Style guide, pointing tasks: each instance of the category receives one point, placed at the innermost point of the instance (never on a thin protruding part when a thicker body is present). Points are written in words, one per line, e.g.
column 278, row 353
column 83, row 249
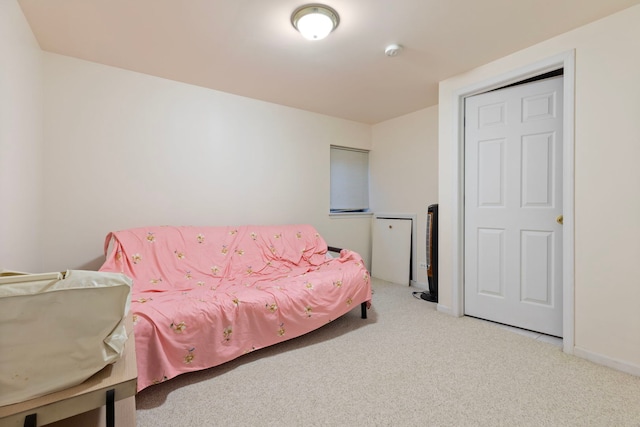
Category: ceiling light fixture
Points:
column 315, row 21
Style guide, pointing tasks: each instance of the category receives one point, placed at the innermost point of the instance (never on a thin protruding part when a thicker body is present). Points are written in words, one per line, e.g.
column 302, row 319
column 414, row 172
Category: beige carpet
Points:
column 407, row 365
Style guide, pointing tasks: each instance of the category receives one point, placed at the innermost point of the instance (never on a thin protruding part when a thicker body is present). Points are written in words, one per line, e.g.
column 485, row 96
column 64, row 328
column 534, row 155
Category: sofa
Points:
column 203, row 296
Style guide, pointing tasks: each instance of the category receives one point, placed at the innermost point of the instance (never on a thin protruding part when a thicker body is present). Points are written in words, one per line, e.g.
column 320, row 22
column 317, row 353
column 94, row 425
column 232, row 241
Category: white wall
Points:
column 404, row 171
column 125, row 149
column 20, row 141
column 607, row 178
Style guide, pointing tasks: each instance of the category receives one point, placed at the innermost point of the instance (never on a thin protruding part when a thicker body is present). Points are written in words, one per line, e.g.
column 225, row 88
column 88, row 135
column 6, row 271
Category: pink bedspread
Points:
column 205, row 295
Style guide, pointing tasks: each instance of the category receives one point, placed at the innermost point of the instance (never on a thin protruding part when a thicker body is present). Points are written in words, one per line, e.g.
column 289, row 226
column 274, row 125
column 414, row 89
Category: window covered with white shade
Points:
column 349, row 179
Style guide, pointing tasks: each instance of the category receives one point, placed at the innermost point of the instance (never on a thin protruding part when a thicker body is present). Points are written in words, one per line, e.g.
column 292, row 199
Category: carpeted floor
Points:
column 406, row 365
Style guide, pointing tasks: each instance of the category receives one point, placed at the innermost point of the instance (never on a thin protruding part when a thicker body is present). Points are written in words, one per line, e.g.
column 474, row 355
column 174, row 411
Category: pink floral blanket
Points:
column 205, row 295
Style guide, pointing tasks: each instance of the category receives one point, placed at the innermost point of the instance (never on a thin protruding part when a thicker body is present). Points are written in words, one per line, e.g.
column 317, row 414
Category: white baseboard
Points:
column 444, row 309
column 610, row 362
column 419, row 285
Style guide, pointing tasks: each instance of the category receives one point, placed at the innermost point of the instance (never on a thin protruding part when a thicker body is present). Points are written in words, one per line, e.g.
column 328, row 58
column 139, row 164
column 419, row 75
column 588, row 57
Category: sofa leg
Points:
column 363, row 308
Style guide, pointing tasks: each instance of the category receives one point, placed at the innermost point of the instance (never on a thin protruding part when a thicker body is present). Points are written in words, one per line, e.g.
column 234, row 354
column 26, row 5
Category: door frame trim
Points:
column 565, row 60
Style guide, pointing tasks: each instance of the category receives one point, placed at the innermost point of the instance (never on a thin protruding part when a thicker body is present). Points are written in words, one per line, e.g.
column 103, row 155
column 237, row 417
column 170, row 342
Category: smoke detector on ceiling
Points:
column 392, row 50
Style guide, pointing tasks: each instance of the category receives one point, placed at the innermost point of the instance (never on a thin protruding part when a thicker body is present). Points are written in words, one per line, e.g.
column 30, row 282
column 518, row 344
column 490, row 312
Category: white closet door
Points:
column 513, row 206
column 391, row 252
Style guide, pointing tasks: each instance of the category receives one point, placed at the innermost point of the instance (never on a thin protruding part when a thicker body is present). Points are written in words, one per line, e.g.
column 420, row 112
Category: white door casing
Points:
column 565, row 60
column 513, row 197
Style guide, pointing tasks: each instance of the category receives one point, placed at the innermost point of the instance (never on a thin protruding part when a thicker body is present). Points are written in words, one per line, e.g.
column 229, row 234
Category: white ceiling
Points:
column 249, row 47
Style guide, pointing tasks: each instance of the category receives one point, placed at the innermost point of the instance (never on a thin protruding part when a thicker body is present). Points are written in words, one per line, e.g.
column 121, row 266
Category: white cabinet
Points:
column 391, row 249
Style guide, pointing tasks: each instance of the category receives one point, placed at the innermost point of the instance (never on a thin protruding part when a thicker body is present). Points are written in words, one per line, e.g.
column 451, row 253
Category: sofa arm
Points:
column 365, row 304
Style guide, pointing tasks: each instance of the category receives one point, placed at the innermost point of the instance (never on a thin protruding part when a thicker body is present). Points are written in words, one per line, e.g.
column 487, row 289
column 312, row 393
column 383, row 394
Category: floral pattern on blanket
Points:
column 205, row 295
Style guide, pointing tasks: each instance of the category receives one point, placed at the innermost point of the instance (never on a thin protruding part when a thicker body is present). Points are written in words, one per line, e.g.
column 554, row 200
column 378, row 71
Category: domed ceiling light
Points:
column 315, row 21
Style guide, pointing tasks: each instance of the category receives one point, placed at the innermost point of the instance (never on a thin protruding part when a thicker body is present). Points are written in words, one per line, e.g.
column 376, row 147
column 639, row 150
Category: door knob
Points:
column 560, row 219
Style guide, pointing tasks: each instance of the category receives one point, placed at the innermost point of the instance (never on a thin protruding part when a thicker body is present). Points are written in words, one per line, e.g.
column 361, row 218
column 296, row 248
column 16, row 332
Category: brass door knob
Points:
column 560, row 219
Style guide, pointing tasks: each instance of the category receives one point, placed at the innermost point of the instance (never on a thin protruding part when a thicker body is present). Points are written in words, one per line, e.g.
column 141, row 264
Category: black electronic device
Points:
column 432, row 254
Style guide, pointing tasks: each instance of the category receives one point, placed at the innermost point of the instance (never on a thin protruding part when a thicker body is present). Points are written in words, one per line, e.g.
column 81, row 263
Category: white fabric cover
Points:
column 56, row 331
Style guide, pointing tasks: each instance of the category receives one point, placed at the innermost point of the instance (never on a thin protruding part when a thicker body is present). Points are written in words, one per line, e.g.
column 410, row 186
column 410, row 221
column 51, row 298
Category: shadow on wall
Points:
column 93, row 265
